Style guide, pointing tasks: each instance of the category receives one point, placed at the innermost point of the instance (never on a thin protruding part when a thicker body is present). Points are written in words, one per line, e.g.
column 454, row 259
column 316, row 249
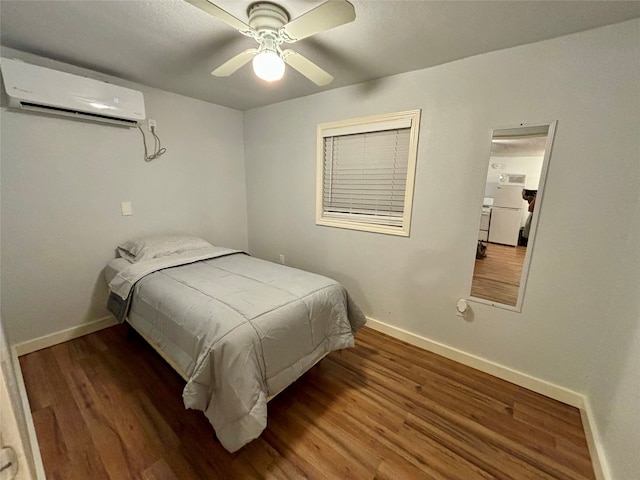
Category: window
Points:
column 365, row 172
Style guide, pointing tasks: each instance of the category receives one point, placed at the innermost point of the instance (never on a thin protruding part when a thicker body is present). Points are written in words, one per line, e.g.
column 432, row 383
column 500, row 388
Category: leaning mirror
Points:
column 518, row 163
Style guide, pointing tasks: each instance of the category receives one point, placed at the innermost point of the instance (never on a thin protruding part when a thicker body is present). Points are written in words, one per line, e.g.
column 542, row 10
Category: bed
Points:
column 237, row 328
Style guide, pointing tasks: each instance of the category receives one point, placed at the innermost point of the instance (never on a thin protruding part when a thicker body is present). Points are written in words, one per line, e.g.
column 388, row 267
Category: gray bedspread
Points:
column 242, row 329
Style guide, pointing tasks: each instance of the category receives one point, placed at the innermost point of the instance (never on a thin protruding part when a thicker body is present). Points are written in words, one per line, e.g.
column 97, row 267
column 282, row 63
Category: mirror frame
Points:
column 534, row 219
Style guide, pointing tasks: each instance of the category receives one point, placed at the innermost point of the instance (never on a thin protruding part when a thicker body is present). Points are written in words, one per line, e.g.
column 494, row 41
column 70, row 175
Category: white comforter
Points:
column 242, row 329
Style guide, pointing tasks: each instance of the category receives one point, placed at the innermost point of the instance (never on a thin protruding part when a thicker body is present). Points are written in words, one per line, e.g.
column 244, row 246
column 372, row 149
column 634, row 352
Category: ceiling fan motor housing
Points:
column 267, row 16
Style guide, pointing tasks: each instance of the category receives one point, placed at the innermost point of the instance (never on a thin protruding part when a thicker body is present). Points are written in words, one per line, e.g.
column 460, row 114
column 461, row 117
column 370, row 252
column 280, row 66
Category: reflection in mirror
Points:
column 512, row 201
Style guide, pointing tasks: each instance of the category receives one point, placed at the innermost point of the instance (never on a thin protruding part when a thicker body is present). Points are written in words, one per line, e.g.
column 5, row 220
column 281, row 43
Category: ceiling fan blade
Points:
column 306, row 67
column 328, row 15
column 221, row 14
column 234, row 64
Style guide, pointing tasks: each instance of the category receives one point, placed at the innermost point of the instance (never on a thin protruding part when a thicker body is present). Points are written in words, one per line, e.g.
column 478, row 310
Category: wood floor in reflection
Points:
column 497, row 276
column 106, row 406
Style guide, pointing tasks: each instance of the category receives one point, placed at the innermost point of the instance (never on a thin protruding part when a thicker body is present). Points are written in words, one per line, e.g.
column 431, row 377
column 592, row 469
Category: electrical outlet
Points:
column 151, row 124
column 281, row 258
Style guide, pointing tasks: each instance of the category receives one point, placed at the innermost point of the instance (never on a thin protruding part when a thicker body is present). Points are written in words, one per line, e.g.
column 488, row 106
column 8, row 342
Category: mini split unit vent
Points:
column 39, row 89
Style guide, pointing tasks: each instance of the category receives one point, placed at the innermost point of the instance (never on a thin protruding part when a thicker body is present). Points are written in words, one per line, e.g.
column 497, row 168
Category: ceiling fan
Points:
column 269, row 25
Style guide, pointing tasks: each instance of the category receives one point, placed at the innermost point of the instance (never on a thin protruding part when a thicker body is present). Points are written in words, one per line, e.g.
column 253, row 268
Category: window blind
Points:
column 365, row 176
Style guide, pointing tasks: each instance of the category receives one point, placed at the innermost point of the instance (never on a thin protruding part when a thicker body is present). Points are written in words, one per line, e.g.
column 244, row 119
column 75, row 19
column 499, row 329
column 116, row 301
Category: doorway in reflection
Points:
column 512, row 198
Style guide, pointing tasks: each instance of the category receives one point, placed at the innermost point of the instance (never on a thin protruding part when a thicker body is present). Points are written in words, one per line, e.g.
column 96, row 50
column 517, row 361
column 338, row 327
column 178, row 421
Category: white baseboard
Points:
column 542, row 387
column 65, row 335
column 598, row 458
column 32, row 450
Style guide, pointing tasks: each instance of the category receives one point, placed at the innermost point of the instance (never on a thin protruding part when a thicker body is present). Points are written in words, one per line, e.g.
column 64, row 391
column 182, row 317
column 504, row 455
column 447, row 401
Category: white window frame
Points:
column 389, row 121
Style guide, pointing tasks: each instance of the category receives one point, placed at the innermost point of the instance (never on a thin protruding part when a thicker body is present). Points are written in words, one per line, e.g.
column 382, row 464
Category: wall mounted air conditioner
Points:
column 39, row 89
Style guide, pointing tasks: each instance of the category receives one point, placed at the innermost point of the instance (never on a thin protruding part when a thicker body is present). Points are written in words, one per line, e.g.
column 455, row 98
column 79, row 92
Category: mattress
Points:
column 240, row 328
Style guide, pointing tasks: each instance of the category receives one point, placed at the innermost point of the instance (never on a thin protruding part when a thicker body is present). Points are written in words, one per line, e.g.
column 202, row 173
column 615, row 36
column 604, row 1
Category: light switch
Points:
column 126, row 208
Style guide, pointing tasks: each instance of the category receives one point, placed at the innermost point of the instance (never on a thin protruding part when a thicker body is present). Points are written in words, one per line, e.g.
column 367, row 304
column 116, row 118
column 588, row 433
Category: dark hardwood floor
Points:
column 497, row 276
column 106, row 406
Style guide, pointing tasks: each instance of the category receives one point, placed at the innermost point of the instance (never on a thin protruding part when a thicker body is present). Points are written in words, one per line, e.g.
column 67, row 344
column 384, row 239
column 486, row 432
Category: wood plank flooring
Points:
column 497, row 276
column 106, row 406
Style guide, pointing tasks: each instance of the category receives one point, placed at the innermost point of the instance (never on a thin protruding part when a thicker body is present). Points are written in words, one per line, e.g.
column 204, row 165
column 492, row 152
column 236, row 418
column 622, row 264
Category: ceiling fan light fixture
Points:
column 268, row 66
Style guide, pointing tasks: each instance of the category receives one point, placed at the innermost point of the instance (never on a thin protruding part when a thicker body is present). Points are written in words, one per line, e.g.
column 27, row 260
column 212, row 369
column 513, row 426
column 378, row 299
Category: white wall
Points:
column 614, row 383
column 62, row 184
column 589, row 83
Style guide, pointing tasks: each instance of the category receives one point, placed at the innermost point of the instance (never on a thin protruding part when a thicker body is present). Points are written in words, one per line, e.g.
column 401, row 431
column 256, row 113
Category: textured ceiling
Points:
column 174, row 46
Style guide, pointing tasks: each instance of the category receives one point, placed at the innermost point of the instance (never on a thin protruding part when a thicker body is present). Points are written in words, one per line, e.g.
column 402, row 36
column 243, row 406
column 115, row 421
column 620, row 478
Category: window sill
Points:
column 364, row 227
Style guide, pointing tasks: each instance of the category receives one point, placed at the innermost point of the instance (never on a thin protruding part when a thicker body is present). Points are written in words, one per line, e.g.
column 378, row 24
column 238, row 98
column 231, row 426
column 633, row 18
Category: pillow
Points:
column 156, row 246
